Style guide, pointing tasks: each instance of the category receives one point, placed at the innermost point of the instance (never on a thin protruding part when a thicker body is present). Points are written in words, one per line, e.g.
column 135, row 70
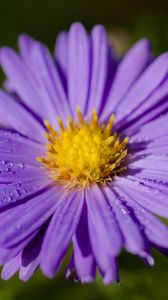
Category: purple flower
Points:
column 97, row 175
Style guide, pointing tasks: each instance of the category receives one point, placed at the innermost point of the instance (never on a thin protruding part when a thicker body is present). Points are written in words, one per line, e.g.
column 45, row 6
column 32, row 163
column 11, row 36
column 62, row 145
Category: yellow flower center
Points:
column 84, row 152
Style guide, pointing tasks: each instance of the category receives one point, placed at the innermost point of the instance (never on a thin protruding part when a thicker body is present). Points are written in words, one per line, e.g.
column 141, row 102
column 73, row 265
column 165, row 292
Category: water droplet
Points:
column 10, row 164
column 18, row 226
column 123, row 211
column 2, row 163
column 16, row 134
column 20, row 165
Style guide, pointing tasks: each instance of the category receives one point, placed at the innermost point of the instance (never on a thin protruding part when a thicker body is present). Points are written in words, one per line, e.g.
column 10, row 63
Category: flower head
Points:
column 83, row 155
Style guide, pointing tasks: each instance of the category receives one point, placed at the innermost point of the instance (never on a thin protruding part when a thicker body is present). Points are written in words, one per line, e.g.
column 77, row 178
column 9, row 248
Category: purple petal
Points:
column 36, row 211
column 83, row 257
column 151, row 166
column 18, row 158
column 7, row 253
column 61, row 52
column 60, row 232
column 51, row 90
column 145, row 85
column 71, row 267
column 78, row 66
column 151, row 199
column 149, row 182
column 103, row 220
column 150, row 175
column 149, row 261
column 154, row 229
column 151, row 162
column 133, row 237
column 25, row 273
column 16, row 263
column 14, row 145
column 22, row 80
column 151, row 108
column 151, row 131
column 127, row 73
column 11, row 267
column 15, row 168
column 21, row 190
column 25, row 43
column 105, row 236
column 106, row 262
column 99, row 67
column 33, row 248
column 12, row 114
column 112, row 274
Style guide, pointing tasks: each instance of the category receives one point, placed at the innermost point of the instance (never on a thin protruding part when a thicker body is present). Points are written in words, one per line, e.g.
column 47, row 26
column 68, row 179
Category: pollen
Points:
column 84, row 152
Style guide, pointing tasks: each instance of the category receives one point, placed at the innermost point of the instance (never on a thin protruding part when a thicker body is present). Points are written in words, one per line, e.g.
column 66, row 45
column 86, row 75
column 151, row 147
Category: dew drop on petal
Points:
column 20, row 165
column 10, row 164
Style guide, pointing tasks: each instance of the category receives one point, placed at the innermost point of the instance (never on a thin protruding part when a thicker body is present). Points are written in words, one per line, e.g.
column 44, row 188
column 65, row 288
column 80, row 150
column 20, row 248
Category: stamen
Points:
column 94, row 117
column 43, row 160
column 50, row 128
column 71, row 123
column 79, row 115
column 109, row 126
column 110, row 140
column 49, row 138
column 83, row 153
column 60, row 124
column 50, row 148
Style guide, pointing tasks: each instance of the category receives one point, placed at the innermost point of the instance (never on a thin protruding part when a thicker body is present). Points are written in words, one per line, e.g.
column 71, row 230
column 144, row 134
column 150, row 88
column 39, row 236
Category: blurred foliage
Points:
column 126, row 22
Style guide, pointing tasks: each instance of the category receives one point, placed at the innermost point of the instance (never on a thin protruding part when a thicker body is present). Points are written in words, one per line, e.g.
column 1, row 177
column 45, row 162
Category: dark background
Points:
column 44, row 19
column 126, row 22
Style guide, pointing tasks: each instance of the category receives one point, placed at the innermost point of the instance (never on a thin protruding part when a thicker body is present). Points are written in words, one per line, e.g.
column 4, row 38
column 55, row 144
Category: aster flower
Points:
column 83, row 155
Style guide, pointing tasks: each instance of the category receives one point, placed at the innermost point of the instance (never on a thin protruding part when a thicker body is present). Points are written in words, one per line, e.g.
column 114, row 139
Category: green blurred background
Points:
column 126, row 21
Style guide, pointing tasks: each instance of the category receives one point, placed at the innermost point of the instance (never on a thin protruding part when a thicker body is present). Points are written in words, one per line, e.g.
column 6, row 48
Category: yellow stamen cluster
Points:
column 84, row 152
